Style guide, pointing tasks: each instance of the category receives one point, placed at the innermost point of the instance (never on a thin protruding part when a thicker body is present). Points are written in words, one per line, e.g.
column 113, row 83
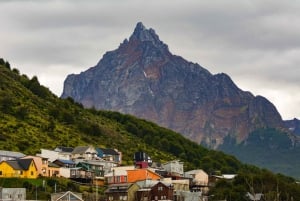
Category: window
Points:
column 31, row 173
column 110, row 197
column 125, row 178
column 20, row 196
column 160, row 188
column 118, row 179
column 21, row 172
column 0, row 172
column 156, row 197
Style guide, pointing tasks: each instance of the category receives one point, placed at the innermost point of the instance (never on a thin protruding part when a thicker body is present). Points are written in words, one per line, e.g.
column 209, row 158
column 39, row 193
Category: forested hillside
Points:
column 31, row 117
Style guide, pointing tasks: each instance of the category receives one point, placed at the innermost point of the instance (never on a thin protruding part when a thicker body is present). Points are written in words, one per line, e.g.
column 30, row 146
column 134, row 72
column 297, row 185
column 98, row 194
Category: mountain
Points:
column 31, row 118
column 141, row 77
column 293, row 125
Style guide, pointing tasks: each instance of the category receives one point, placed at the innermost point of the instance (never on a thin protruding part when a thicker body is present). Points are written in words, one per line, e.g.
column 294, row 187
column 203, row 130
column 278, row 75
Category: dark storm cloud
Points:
column 256, row 42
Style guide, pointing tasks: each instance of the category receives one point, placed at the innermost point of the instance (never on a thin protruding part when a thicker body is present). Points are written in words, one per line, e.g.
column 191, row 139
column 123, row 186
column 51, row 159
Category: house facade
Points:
column 15, row 194
column 198, row 180
column 84, row 152
column 122, row 192
column 41, row 164
column 21, row 168
column 109, row 155
column 154, row 190
column 53, row 155
column 174, row 168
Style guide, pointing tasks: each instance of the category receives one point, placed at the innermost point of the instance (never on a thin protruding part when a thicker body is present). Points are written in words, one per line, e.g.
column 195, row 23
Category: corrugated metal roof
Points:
column 11, row 154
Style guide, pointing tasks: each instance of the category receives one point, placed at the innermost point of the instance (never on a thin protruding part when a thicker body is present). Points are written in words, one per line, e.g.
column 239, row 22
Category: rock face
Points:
column 293, row 126
column 141, row 77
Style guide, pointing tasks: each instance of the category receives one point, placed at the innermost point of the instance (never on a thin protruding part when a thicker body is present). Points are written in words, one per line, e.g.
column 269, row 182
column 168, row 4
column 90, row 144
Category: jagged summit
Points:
column 143, row 34
column 141, row 77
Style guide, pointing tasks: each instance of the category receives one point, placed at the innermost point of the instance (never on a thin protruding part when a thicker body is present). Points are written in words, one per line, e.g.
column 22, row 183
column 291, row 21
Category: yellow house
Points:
column 21, row 168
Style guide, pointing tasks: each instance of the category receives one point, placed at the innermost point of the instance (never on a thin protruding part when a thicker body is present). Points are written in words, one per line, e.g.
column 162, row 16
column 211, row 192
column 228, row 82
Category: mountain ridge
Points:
column 141, row 77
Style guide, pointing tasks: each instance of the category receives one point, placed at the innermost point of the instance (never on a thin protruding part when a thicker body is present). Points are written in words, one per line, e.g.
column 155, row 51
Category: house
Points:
column 109, row 155
column 10, row 155
column 12, row 194
column 107, row 165
column 116, row 177
column 141, row 174
column 92, row 166
column 41, row 164
column 174, row 168
column 118, row 192
column 21, row 168
column 84, row 152
column 53, row 170
column 66, row 167
column 57, row 153
column 66, row 196
column 198, row 180
column 154, row 190
column 65, row 163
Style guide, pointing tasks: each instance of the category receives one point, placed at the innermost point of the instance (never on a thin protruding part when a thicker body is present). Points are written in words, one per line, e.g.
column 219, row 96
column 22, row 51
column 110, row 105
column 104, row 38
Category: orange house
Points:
column 141, row 174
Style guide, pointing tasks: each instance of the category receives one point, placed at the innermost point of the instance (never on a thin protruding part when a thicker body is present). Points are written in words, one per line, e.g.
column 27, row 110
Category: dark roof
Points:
column 20, row 164
column 80, row 149
column 108, row 151
column 50, row 164
column 14, row 164
column 64, row 149
column 65, row 161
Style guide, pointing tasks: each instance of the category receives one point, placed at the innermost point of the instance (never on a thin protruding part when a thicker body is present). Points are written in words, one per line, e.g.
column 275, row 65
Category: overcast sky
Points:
column 255, row 42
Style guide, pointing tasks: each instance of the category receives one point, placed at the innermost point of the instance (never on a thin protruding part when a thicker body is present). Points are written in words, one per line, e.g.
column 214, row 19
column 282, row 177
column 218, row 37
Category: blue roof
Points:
column 66, row 161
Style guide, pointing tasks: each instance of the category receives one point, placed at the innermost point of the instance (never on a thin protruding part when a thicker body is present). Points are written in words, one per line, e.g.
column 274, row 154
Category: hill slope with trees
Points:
column 31, row 118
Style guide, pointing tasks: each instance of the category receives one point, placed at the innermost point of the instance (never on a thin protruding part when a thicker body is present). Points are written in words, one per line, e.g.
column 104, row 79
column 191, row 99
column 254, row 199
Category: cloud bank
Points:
column 255, row 42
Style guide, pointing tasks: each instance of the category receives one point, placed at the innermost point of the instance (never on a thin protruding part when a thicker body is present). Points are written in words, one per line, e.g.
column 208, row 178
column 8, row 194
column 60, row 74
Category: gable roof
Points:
column 20, row 164
column 66, row 196
column 151, row 183
column 107, row 151
column 80, row 149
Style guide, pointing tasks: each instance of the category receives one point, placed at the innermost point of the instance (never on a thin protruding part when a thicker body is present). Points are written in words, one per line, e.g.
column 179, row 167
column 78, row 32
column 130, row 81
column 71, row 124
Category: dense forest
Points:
column 32, row 117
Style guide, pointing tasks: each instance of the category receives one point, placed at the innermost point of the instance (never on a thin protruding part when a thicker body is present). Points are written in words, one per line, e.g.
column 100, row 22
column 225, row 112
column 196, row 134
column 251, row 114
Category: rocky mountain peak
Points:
column 141, row 33
column 144, row 79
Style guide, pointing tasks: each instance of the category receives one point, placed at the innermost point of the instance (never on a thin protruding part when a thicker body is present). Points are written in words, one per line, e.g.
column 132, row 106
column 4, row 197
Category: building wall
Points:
column 32, row 172
column 53, row 172
column 13, row 194
column 65, row 172
column 174, row 167
column 50, row 154
column 7, row 171
column 41, row 164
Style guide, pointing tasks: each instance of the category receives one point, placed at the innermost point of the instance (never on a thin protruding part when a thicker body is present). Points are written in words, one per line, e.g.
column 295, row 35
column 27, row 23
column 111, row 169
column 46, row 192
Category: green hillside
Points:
column 31, row 118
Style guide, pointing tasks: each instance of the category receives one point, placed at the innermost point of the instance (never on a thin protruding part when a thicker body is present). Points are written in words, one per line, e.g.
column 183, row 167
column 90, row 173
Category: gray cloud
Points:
column 256, row 42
